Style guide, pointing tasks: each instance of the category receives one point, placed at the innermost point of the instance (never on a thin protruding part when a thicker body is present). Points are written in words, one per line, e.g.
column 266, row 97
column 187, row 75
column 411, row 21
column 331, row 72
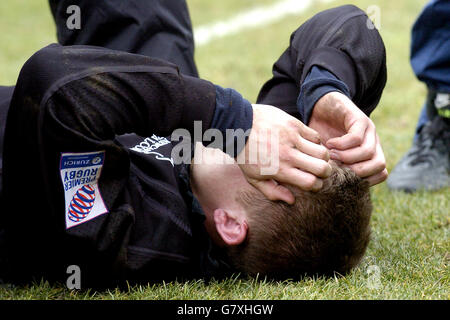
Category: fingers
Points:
column 274, row 191
column 372, row 169
column 353, row 138
column 368, row 168
column 301, row 179
column 308, row 133
column 378, row 178
column 314, row 150
column 305, row 162
column 365, row 151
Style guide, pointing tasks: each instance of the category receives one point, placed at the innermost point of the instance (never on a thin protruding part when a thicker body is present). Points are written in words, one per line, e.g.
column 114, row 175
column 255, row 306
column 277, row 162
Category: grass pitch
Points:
column 408, row 256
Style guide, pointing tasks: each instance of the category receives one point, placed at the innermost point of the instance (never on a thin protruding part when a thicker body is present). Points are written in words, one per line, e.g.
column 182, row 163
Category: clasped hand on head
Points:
column 347, row 134
column 300, row 159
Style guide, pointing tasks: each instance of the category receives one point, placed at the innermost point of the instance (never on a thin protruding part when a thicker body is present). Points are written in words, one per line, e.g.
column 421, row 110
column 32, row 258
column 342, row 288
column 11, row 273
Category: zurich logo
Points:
column 82, row 203
column 96, row 160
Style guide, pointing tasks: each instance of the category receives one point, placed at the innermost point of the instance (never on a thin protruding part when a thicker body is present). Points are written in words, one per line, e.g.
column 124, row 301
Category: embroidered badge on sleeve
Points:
column 80, row 173
column 149, row 145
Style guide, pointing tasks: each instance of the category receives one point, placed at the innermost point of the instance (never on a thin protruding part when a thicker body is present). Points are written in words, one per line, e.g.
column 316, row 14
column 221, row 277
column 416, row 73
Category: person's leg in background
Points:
column 155, row 28
column 427, row 164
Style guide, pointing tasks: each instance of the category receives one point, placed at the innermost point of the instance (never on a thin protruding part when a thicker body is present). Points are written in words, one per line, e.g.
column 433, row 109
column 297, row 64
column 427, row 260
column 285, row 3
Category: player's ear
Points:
column 231, row 228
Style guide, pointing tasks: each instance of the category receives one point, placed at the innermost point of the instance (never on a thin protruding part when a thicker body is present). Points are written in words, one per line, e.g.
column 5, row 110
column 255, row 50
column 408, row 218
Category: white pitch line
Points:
column 257, row 17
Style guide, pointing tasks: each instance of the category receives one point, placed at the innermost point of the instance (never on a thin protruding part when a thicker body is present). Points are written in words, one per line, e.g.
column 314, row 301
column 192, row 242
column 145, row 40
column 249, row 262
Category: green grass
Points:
column 410, row 244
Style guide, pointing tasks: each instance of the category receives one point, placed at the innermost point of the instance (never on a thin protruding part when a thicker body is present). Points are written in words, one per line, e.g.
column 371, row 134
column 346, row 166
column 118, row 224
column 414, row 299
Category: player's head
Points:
column 322, row 233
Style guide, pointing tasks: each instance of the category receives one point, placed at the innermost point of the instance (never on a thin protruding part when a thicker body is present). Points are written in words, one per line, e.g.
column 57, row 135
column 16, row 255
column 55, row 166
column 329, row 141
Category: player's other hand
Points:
column 350, row 136
column 282, row 151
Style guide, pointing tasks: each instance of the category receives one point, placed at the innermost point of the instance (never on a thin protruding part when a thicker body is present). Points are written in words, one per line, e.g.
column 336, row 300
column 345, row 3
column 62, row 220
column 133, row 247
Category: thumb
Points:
column 274, row 191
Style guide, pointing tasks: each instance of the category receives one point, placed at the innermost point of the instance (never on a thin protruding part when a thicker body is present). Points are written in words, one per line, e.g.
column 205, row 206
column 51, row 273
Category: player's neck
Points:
column 216, row 185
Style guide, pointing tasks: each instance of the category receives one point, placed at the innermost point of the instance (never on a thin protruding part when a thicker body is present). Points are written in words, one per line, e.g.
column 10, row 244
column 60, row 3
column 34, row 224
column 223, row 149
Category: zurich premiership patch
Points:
column 80, row 173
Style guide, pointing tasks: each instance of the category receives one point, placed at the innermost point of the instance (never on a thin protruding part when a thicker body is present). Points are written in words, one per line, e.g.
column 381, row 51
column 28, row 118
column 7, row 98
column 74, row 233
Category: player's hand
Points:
column 350, row 136
column 281, row 151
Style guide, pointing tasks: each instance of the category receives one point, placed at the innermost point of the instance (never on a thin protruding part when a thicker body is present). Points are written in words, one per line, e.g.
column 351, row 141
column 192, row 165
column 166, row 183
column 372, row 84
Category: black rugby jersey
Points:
column 89, row 177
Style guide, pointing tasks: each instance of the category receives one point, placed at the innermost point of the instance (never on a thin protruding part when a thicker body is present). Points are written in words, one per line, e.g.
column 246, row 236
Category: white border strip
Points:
column 254, row 18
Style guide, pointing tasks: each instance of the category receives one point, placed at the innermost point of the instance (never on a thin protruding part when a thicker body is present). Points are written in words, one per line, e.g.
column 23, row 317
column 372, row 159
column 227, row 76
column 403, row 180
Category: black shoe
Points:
column 426, row 165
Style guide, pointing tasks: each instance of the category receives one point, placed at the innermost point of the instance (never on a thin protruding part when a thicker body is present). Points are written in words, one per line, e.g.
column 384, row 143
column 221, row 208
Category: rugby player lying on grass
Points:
column 89, row 178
